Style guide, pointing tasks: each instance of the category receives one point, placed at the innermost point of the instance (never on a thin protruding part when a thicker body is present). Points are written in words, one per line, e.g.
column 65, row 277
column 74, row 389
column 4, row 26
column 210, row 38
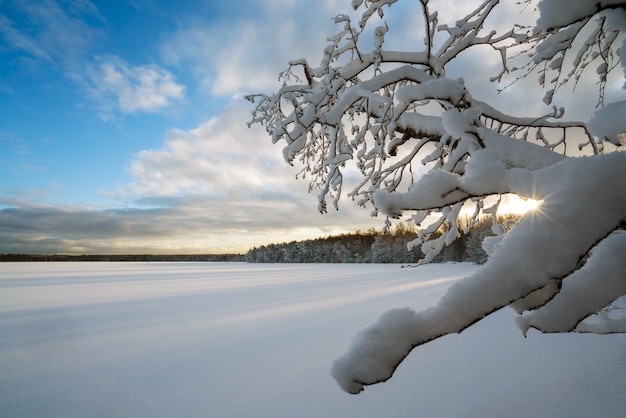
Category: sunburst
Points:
column 514, row 204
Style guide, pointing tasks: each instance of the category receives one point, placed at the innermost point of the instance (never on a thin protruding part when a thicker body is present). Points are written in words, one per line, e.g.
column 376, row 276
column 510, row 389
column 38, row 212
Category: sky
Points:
column 123, row 124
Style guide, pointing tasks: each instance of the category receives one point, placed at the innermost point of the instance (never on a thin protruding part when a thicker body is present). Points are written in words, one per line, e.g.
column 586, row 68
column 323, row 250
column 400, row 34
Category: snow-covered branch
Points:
column 393, row 115
column 546, row 238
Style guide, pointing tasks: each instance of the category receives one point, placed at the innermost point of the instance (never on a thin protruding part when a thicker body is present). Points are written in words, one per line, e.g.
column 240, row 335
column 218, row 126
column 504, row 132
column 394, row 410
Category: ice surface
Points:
column 239, row 340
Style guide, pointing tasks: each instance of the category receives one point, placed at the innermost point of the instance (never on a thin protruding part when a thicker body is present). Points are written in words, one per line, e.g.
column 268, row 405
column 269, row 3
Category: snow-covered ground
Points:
column 245, row 340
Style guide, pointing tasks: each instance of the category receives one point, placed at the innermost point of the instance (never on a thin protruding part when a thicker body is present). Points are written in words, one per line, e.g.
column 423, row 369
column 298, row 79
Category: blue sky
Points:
column 123, row 124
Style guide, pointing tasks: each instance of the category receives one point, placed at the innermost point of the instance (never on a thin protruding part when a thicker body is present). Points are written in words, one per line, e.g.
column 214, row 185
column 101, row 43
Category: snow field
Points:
column 234, row 340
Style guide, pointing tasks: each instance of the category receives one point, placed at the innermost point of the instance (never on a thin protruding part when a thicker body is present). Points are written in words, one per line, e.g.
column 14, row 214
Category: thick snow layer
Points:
column 239, row 340
column 603, row 272
column 609, row 122
column 443, row 88
column 556, row 13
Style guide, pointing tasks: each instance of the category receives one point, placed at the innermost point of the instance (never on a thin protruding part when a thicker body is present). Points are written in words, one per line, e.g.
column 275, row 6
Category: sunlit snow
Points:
column 241, row 340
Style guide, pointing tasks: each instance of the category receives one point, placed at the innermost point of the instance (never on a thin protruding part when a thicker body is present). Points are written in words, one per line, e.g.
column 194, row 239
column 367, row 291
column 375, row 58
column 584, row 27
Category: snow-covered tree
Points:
column 392, row 115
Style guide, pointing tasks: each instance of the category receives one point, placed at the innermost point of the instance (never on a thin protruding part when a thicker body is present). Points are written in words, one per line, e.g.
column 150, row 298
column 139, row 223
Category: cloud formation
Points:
column 185, row 224
column 219, row 157
column 117, row 85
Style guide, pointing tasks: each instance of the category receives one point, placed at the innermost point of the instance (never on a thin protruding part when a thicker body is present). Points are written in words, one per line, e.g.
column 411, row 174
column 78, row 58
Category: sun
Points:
column 514, row 204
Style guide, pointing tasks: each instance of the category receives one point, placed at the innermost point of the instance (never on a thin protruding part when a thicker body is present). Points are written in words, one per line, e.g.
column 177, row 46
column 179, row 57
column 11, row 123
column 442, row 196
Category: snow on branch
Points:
column 585, row 292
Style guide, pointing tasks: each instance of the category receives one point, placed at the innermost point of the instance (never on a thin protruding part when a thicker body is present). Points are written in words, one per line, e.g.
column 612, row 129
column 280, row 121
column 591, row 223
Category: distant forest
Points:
column 377, row 247
column 370, row 246
column 124, row 257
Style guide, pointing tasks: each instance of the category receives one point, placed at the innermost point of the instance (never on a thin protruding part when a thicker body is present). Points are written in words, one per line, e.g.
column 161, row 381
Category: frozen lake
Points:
column 250, row 340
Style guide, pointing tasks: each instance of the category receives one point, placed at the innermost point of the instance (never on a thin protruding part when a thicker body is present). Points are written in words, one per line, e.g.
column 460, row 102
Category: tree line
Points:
column 123, row 257
column 374, row 246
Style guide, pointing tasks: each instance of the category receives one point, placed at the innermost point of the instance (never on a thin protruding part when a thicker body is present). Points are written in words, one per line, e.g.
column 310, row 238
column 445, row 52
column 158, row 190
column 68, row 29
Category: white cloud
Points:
column 220, row 156
column 118, row 85
column 243, row 54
